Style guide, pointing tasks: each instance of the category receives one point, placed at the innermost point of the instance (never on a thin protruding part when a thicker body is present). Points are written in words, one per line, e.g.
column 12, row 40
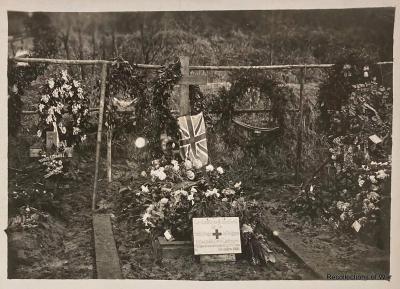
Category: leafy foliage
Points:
column 19, row 78
column 161, row 115
column 356, row 115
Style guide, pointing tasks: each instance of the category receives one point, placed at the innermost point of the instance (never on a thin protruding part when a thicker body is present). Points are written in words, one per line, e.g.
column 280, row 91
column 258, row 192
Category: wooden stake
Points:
column 300, row 131
column 109, row 153
column 184, row 102
column 99, row 131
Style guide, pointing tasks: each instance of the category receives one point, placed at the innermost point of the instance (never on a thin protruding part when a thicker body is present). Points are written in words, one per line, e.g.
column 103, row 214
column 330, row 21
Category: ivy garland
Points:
column 162, row 119
column 63, row 105
column 19, row 78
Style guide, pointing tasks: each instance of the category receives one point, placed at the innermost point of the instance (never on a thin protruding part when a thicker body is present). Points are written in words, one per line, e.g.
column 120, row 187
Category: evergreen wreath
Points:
column 271, row 90
column 125, row 83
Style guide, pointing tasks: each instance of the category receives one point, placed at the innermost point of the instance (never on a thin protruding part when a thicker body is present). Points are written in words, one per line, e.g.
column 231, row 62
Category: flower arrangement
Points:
column 358, row 124
column 63, row 108
column 179, row 192
column 169, row 194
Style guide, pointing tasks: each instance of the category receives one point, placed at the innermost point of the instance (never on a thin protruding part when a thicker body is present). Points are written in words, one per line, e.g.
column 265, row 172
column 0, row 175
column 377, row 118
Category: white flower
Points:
column 41, row 106
column 372, row 179
column 247, row 229
column 74, row 108
column 190, row 198
column 224, row 199
column 238, row 185
column 80, row 90
column 381, row 174
column 209, row 168
column 373, row 196
column 145, row 217
column 158, row 173
column 66, row 87
column 162, row 176
column 228, row 192
column 55, row 93
column 64, row 75
column 145, row 189
column 212, row 193
column 39, row 133
column 49, row 119
column 76, row 130
column 188, row 164
column 76, row 83
column 220, row 170
column 143, row 174
column 51, row 82
column 150, row 208
column 85, row 112
column 190, row 175
column 175, row 168
column 155, row 163
column 193, row 190
column 164, row 201
column 174, row 163
column 45, row 98
column 361, row 182
column 197, row 164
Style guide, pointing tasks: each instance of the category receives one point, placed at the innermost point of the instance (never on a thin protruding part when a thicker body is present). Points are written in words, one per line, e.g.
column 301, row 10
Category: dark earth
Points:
column 62, row 247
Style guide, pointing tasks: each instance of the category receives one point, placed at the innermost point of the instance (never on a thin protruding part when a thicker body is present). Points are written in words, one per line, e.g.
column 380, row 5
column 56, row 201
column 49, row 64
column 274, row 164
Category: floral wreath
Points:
column 63, row 108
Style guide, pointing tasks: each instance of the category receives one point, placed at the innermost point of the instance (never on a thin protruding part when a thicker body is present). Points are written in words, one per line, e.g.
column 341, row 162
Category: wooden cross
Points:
column 187, row 79
column 216, row 234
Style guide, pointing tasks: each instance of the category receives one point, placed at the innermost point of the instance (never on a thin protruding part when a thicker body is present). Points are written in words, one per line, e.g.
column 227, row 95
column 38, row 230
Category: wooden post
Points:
column 99, row 131
column 300, row 130
column 109, row 154
column 184, row 101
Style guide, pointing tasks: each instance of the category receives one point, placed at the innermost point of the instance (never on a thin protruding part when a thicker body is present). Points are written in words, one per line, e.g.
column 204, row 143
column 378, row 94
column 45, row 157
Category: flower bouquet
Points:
column 171, row 194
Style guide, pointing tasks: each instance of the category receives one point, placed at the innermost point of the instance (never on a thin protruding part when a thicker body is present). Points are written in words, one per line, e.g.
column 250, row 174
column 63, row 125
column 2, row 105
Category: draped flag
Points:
column 193, row 142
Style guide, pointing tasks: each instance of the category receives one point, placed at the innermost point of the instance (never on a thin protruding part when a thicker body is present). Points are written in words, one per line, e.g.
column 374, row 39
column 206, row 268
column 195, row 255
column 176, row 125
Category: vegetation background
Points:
column 213, row 38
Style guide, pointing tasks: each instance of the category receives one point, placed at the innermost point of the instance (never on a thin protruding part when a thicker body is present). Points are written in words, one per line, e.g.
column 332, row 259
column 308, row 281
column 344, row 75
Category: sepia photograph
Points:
column 200, row 145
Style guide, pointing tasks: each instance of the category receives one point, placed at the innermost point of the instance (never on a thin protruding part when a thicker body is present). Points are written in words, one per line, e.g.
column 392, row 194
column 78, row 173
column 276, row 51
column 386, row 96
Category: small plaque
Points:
column 375, row 139
column 51, row 139
column 216, row 236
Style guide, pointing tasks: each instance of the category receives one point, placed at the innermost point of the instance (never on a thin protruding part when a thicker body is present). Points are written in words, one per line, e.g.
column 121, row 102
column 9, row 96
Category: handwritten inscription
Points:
column 216, row 235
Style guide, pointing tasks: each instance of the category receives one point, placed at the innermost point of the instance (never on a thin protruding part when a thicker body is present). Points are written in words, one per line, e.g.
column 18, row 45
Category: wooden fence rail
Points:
column 187, row 68
column 191, row 67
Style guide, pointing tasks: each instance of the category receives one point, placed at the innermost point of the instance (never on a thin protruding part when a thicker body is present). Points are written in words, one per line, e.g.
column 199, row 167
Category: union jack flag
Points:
column 193, row 142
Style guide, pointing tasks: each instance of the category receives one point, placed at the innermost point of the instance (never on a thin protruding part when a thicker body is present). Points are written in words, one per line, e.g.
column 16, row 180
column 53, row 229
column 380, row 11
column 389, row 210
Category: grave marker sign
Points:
column 216, row 236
